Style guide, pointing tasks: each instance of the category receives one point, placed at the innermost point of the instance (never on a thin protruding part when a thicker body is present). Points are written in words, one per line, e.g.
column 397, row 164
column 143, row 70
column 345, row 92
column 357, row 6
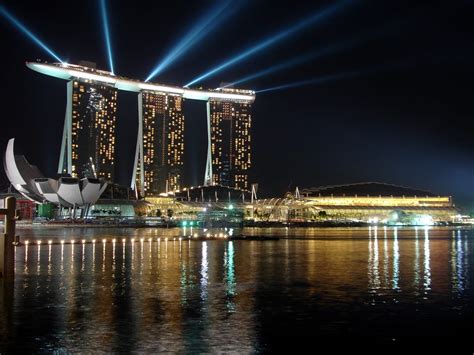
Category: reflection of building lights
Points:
column 373, row 220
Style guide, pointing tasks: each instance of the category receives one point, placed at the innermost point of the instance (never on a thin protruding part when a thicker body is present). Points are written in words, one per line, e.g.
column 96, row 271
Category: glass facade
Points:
column 163, row 142
column 94, row 109
column 230, row 123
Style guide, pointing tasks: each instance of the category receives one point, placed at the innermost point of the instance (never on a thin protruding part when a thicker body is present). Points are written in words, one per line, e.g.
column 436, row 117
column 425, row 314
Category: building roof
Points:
column 70, row 71
column 364, row 189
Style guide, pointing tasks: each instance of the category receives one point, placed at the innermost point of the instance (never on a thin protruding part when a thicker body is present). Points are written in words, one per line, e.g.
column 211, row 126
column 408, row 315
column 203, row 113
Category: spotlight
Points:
column 279, row 36
column 328, row 50
column 334, row 77
column 313, row 81
column 205, row 25
column 105, row 24
column 27, row 32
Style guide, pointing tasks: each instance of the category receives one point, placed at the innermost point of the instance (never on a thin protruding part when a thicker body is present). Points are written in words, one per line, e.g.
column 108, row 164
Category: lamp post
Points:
column 7, row 248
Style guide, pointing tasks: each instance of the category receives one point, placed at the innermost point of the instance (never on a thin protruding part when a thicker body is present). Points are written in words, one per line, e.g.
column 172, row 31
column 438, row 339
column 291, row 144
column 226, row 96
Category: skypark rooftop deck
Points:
column 69, row 71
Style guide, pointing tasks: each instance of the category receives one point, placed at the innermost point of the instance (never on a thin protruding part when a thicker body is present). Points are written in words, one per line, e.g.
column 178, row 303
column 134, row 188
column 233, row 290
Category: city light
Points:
column 105, row 24
column 318, row 17
column 206, row 24
column 27, row 32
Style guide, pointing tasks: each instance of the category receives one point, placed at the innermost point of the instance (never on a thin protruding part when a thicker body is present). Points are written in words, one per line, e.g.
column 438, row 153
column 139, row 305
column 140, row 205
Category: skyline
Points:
column 312, row 135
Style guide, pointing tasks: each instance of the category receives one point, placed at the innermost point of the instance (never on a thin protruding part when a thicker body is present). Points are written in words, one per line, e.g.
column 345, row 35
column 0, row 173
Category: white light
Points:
column 124, row 240
column 93, row 241
column 38, row 242
column 89, row 76
column 114, row 240
column 104, row 240
column 27, row 242
column 83, row 241
column 50, row 242
column 72, row 241
column 66, row 71
column 149, row 240
column 62, row 242
column 152, row 87
column 133, row 240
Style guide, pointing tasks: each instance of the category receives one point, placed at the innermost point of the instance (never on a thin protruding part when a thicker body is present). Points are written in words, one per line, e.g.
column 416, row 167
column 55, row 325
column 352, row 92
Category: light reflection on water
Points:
column 149, row 290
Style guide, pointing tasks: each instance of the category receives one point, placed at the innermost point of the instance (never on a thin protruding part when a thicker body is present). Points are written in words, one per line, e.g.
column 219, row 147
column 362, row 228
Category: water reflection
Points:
column 205, row 296
column 459, row 262
column 396, row 259
column 204, row 270
column 427, row 268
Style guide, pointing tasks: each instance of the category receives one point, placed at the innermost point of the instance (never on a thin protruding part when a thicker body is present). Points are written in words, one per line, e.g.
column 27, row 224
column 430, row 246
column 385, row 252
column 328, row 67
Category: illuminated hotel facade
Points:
column 229, row 151
column 90, row 126
column 88, row 143
column 160, row 144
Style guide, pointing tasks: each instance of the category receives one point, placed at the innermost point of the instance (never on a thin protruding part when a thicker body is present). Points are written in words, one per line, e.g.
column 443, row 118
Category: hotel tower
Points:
column 88, row 144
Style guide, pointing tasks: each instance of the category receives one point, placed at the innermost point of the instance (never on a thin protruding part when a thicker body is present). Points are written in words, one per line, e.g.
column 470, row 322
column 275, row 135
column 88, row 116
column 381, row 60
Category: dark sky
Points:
column 407, row 124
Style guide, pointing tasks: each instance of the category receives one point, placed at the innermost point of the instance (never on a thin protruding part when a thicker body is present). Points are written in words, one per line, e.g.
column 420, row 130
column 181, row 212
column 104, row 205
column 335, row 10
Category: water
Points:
column 373, row 286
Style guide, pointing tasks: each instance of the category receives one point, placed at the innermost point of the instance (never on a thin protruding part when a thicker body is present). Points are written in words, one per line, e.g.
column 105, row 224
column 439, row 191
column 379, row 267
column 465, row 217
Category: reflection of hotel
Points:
column 88, row 146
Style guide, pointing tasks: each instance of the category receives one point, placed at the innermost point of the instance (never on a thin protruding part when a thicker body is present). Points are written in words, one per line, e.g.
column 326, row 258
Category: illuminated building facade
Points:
column 229, row 151
column 362, row 202
column 160, row 143
column 90, row 127
column 88, row 144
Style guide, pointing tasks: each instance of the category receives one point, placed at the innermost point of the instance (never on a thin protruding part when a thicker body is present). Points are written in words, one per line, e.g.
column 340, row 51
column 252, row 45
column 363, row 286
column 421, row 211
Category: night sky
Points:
column 406, row 119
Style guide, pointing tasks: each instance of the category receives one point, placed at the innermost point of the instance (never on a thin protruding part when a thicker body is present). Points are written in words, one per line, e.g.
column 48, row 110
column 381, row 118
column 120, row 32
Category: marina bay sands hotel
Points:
column 88, row 142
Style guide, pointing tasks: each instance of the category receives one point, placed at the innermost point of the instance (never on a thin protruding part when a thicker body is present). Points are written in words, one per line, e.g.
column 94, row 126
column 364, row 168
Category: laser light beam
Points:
column 13, row 20
column 313, row 55
column 105, row 25
column 340, row 76
column 279, row 36
column 205, row 25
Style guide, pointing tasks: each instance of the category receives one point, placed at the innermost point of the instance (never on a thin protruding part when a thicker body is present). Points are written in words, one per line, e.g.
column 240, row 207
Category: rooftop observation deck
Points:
column 70, row 71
